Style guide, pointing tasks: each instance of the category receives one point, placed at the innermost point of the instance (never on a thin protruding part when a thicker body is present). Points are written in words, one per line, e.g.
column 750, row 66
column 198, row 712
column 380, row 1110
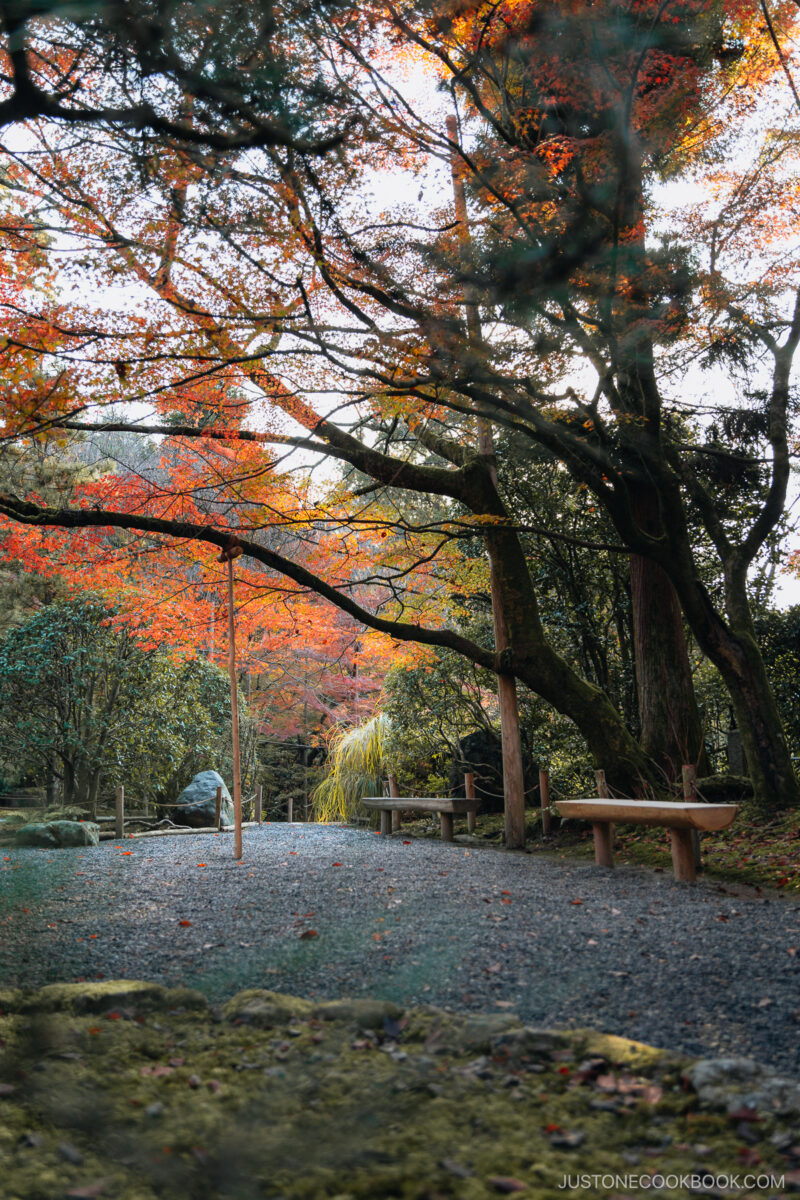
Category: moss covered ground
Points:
column 132, row 1091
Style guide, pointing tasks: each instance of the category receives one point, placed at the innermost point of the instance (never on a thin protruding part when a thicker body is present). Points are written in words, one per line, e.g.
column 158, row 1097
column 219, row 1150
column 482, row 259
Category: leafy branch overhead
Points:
column 419, row 304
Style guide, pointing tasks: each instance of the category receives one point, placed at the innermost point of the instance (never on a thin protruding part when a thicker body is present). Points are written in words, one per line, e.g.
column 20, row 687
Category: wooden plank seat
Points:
column 447, row 808
column 680, row 818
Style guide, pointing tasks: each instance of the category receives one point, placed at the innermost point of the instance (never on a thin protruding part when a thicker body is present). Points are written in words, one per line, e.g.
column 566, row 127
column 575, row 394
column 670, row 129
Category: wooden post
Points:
column 544, row 800
column 119, row 824
column 290, row 810
column 394, row 791
column 469, row 792
column 683, row 854
column 237, row 765
column 446, row 820
column 603, row 830
column 689, row 776
column 513, row 772
column 218, row 809
column 259, row 805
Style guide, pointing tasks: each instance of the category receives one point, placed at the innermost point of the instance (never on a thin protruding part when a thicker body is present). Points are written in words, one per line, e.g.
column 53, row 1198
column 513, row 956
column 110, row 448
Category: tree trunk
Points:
column 769, row 763
column 629, row 769
column 671, row 729
column 92, row 793
column 69, row 782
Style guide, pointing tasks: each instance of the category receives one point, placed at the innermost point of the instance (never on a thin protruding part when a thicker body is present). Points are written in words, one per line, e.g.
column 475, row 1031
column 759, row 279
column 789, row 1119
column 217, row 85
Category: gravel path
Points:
column 562, row 943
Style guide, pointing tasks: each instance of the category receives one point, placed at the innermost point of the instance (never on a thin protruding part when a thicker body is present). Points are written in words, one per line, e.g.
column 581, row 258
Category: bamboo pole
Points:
column 257, row 817
column 513, row 773
column 119, row 819
column 237, row 766
column 218, row 809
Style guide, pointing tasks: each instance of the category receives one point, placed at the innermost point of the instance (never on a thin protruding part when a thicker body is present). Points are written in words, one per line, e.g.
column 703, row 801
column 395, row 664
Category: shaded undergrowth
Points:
column 136, row 1092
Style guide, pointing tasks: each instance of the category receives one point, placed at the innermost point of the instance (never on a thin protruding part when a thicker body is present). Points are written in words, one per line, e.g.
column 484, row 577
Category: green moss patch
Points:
column 117, row 1090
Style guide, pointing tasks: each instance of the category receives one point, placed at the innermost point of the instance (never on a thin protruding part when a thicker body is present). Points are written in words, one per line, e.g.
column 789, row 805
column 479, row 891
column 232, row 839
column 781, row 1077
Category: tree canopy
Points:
column 241, row 274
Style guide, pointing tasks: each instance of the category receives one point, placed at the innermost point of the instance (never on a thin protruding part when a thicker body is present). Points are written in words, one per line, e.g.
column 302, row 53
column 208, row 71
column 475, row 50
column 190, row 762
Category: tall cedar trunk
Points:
column 628, row 769
column 767, row 754
column 769, row 763
column 671, row 729
column 513, row 771
column 69, row 782
column 92, row 793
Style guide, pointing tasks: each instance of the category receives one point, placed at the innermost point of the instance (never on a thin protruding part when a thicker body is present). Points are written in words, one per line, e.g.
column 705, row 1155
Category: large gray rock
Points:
column 54, row 835
column 197, row 802
column 734, row 1083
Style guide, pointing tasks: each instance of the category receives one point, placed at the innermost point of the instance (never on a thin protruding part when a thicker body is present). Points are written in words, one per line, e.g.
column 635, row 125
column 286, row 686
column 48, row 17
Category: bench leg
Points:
column 603, row 843
column 471, row 821
column 386, row 822
column 447, row 826
column 396, row 821
column 683, row 854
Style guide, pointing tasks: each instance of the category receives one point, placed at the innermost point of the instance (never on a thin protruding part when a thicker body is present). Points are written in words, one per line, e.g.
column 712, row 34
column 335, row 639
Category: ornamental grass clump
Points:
column 357, row 766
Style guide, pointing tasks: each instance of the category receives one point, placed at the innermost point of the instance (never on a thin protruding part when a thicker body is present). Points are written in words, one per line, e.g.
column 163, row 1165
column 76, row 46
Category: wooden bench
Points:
column 392, row 806
column 681, row 819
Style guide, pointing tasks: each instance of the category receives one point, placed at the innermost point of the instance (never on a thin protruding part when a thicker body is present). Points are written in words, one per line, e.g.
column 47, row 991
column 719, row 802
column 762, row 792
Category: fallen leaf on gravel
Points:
column 504, row 1003
column 576, row 902
column 764, row 1002
column 184, row 922
column 505, row 1183
column 308, row 933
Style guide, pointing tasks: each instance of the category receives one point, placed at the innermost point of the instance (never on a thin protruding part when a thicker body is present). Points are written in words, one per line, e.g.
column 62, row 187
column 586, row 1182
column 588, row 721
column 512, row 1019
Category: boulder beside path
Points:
column 196, row 805
column 55, row 835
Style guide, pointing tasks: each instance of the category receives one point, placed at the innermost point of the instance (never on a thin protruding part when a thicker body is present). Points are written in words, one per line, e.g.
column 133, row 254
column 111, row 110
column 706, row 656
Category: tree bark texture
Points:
column 671, row 728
